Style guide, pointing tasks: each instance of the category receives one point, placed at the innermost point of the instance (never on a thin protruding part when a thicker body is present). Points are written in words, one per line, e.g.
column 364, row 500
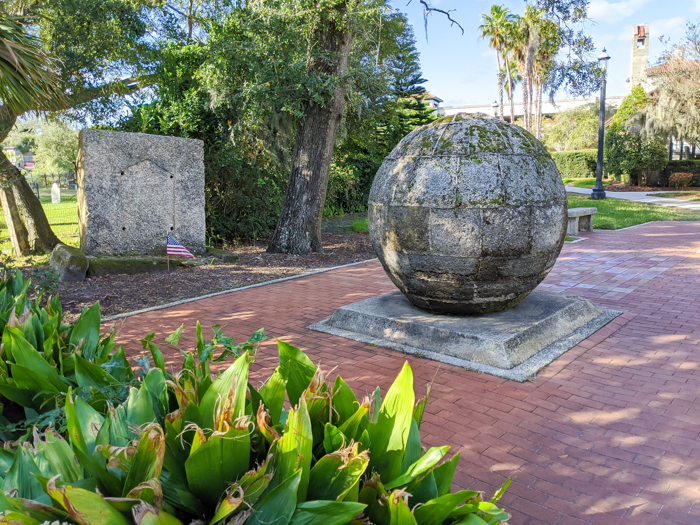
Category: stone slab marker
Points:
column 55, row 194
column 133, row 188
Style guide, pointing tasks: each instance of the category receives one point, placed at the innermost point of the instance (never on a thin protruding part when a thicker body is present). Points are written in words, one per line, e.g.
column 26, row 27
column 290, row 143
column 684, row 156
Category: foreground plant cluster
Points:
column 88, row 441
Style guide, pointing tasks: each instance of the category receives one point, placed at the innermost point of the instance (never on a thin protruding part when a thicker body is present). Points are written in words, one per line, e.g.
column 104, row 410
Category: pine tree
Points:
column 411, row 110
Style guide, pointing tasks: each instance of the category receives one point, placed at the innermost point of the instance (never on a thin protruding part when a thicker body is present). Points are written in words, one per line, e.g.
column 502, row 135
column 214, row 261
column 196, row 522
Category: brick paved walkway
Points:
column 607, row 434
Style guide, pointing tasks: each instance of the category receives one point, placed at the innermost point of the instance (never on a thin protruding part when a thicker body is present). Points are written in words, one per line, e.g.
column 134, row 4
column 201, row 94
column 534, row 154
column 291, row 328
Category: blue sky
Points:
column 462, row 69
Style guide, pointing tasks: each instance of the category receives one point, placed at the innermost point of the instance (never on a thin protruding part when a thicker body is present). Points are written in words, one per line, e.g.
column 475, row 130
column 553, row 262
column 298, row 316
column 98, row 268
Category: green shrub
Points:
column 634, row 156
column 245, row 165
column 226, row 450
column 680, row 180
column 627, row 153
column 243, row 194
column 42, row 358
column 576, row 164
column 684, row 166
column 211, row 448
column 13, row 292
column 681, row 166
column 349, row 183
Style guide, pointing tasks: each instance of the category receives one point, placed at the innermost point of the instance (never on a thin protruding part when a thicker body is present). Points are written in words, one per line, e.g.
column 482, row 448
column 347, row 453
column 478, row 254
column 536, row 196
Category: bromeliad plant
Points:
column 41, row 359
column 198, row 448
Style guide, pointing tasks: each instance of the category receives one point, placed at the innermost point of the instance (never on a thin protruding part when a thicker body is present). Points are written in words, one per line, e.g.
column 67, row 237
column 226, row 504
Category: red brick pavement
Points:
column 607, row 434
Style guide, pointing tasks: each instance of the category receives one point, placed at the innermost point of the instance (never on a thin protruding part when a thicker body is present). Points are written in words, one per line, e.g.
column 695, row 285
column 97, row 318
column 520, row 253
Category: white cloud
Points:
column 627, row 32
column 697, row 5
column 610, row 12
column 668, row 27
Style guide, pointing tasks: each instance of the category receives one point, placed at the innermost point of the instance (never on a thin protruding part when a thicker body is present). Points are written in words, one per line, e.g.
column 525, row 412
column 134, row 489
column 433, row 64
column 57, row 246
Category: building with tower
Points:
column 640, row 57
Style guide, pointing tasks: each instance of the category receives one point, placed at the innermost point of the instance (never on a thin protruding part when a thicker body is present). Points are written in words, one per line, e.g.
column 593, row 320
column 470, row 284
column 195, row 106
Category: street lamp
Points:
column 495, row 108
column 598, row 192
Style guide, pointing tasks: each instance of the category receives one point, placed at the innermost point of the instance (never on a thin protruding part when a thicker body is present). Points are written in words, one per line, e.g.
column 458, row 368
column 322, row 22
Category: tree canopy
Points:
column 629, row 153
column 675, row 100
column 243, row 87
column 545, row 49
column 93, row 45
column 575, row 128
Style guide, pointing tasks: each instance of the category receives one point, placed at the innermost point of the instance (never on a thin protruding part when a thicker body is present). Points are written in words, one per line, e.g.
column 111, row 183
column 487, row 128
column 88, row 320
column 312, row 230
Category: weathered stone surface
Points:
column 55, row 194
column 513, row 344
column 467, row 215
column 134, row 188
column 70, row 263
column 580, row 219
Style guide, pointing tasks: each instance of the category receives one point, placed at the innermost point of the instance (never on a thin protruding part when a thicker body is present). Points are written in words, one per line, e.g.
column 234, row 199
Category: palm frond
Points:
column 28, row 79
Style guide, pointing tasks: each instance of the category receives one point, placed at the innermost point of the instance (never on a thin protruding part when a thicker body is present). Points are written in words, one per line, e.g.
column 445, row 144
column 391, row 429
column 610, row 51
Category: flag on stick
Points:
column 176, row 249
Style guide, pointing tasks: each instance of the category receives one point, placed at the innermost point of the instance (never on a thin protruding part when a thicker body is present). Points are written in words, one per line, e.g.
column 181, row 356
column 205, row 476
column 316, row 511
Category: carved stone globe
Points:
column 467, row 215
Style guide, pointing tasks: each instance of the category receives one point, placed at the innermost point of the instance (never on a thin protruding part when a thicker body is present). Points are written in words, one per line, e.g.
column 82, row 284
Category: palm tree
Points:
column 511, row 31
column 527, row 42
column 512, row 79
column 495, row 27
column 27, row 77
column 549, row 44
column 523, row 53
column 27, row 80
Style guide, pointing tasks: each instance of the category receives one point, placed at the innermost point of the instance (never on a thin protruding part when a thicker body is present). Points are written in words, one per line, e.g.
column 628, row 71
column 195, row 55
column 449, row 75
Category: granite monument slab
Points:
column 133, row 188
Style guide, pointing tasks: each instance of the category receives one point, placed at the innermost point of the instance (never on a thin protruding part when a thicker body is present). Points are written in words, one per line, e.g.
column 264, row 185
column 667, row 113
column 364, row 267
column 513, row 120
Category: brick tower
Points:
column 640, row 56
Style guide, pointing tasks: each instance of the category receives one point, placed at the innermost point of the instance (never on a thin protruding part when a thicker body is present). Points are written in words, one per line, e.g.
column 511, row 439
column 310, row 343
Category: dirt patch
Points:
column 125, row 293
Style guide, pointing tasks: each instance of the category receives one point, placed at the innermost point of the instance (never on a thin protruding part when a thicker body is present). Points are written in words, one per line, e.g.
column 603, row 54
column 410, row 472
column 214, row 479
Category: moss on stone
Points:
column 223, row 255
column 478, row 187
column 100, row 266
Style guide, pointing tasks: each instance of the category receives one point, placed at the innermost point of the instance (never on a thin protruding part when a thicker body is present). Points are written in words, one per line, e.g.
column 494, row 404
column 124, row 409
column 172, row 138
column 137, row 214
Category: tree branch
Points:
column 124, row 86
column 427, row 9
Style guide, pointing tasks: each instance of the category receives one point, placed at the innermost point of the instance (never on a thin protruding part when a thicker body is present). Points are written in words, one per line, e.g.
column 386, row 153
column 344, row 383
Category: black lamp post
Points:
column 598, row 192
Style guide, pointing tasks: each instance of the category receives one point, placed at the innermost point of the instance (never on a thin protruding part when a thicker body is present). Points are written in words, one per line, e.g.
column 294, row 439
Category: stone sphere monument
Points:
column 467, row 215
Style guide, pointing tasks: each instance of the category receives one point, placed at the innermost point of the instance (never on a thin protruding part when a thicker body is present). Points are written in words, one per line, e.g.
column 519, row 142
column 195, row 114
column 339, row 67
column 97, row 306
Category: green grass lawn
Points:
column 682, row 195
column 583, row 183
column 62, row 217
column 614, row 214
column 360, row 226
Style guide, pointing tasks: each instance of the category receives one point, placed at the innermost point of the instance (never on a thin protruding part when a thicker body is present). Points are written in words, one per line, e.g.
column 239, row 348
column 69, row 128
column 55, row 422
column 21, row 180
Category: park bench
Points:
column 580, row 219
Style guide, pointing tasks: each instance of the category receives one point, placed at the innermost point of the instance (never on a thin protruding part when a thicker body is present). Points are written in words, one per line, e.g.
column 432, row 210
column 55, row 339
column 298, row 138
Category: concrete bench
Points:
column 580, row 219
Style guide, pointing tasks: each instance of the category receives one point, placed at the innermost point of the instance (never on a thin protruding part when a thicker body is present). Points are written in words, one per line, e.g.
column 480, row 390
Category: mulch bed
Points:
column 618, row 186
column 125, row 293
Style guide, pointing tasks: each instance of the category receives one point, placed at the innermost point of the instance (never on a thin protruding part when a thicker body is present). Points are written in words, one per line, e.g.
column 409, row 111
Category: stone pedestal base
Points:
column 513, row 344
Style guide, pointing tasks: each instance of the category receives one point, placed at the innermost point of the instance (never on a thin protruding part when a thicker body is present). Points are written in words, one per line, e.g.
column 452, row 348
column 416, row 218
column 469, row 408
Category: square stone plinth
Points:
column 513, row 344
column 134, row 189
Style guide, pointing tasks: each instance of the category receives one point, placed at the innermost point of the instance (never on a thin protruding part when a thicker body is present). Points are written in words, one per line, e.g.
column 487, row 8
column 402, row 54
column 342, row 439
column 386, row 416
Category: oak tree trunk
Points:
column 23, row 212
column 42, row 239
column 18, row 233
column 298, row 229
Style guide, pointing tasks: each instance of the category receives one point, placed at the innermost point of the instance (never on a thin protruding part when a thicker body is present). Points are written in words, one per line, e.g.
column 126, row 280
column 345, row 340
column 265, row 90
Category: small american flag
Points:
column 176, row 249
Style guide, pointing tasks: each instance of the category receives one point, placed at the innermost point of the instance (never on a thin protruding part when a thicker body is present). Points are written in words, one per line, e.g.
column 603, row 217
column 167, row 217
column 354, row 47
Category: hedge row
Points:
column 579, row 164
column 682, row 166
